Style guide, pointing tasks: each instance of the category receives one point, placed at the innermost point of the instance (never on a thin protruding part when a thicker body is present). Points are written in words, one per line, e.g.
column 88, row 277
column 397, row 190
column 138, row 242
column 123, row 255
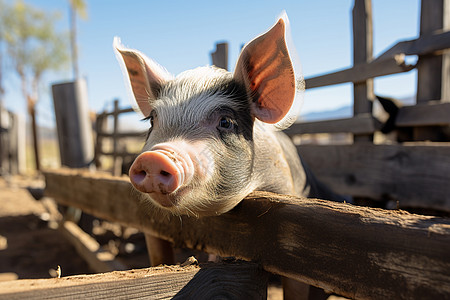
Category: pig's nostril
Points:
column 165, row 174
column 139, row 176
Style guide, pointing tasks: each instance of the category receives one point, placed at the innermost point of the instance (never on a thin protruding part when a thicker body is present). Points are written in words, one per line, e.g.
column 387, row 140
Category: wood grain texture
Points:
column 360, row 124
column 357, row 252
column 238, row 280
column 416, row 175
column 98, row 259
column 363, row 92
column 431, row 113
column 361, row 72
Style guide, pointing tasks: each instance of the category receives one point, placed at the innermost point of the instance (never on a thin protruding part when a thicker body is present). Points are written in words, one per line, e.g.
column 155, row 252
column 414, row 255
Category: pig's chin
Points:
column 164, row 200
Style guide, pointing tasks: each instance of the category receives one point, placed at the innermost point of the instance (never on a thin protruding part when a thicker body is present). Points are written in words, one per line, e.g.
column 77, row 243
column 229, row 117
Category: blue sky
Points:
column 181, row 34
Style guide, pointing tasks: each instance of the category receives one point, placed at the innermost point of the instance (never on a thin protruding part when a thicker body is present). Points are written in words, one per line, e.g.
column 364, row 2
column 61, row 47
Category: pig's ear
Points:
column 145, row 76
column 270, row 70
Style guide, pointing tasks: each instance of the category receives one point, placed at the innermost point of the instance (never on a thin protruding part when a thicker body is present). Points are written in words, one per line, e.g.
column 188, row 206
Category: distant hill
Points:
column 339, row 113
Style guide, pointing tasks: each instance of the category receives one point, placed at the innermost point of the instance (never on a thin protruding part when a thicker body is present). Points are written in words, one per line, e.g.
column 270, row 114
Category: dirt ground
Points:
column 32, row 247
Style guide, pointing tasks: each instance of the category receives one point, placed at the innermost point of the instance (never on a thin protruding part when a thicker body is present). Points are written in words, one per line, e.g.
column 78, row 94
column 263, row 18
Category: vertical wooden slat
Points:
column 13, row 144
column 117, row 159
column 72, row 120
column 429, row 67
column 100, row 124
column 220, row 56
column 3, row 134
column 432, row 70
column 445, row 91
column 362, row 52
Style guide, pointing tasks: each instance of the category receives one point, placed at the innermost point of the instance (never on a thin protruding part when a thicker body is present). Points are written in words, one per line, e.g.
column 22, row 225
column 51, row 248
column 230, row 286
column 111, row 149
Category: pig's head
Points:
column 198, row 158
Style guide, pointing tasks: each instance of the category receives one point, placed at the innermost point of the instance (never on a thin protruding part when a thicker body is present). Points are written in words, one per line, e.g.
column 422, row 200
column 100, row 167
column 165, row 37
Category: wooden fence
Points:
column 119, row 152
column 416, row 171
column 358, row 252
column 11, row 159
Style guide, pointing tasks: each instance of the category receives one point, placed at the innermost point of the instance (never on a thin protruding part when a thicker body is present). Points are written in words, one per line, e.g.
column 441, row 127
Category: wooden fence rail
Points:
column 415, row 174
column 208, row 281
column 354, row 251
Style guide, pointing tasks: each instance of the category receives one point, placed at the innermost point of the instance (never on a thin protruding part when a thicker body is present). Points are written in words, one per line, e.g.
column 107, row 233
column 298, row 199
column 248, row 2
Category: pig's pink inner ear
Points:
column 265, row 68
column 139, row 80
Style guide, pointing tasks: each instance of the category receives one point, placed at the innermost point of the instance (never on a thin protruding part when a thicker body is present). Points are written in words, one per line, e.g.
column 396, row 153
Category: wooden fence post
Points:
column 362, row 53
column 3, row 131
column 73, row 124
column 100, row 125
column 433, row 71
column 220, row 56
column 117, row 159
column 13, row 144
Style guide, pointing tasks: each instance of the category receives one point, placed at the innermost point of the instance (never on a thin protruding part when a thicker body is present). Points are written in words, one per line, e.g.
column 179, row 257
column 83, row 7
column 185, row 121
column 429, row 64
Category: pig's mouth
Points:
column 169, row 200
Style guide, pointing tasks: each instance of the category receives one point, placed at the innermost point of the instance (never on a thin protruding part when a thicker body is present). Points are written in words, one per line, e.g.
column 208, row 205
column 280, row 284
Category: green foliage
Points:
column 80, row 8
column 32, row 40
column 33, row 45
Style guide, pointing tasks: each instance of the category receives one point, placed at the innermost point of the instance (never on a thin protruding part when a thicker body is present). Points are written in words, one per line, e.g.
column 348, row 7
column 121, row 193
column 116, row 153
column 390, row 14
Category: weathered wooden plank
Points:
column 120, row 111
column 363, row 93
column 390, row 62
column 424, row 45
column 361, row 72
column 429, row 114
column 360, row 124
column 433, row 113
column 118, row 153
column 357, row 252
column 237, row 279
column 125, row 134
column 73, row 124
column 87, row 247
column 415, row 175
column 429, row 68
column 220, row 56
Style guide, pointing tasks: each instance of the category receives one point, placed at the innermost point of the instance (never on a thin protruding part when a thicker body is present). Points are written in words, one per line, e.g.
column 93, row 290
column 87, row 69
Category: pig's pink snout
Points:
column 160, row 172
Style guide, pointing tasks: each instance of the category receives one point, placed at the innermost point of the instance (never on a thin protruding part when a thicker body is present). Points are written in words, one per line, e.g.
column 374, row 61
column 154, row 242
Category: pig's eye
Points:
column 226, row 123
column 149, row 119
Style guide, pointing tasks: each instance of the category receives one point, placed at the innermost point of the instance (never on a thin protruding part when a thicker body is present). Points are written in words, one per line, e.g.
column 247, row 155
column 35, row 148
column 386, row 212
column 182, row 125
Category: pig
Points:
column 215, row 136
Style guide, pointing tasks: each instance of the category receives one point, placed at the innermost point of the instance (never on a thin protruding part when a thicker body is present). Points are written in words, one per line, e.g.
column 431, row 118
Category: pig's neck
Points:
column 277, row 167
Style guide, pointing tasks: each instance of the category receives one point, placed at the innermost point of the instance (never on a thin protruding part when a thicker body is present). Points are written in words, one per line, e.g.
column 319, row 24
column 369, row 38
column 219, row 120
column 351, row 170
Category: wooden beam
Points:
column 134, row 134
column 357, row 252
column 220, row 56
column 233, row 280
column 363, row 94
column 73, row 125
column 416, row 175
column 89, row 249
column 118, row 153
column 120, row 111
column 428, row 114
column 424, row 45
column 388, row 63
column 360, row 124
column 361, row 72
column 429, row 68
column 433, row 113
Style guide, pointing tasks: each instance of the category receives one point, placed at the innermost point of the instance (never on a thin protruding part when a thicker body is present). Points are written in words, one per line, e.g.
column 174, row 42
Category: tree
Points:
column 33, row 47
column 76, row 7
column 2, row 15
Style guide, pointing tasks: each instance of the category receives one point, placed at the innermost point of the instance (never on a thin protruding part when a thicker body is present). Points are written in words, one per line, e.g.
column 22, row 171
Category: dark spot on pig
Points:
column 162, row 188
